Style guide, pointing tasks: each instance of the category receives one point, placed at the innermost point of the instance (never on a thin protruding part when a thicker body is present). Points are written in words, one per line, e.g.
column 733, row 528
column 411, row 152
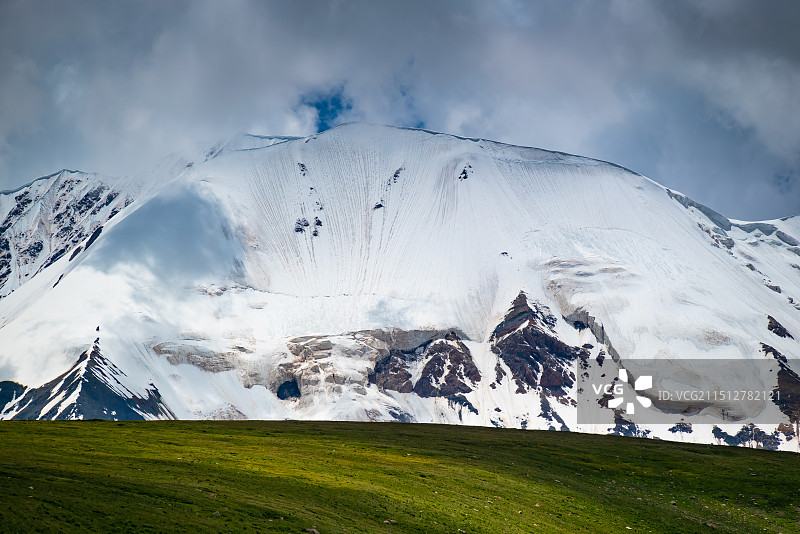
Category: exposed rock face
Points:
column 717, row 236
column 205, row 359
column 787, row 390
column 582, row 319
column 430, row 363
column 528, row 345
column 9, row 391
column 777, row 328
column 89, row 390
column 623, row 427
column 446, row 367
column 549, row 414
column 392, row 373
column 327, row 362
column 5, row 260
column 310, row 348
column 423, row 363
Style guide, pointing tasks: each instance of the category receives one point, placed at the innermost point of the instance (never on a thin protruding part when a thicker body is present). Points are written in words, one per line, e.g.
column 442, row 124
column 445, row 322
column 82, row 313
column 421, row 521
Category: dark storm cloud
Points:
column 700, row 96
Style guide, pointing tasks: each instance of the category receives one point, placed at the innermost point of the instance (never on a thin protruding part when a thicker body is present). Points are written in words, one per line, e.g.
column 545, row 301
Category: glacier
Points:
column 380, row 273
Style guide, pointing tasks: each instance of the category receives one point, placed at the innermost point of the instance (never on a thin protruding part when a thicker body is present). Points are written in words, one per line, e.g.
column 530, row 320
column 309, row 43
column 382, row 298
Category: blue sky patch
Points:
column 330, row 106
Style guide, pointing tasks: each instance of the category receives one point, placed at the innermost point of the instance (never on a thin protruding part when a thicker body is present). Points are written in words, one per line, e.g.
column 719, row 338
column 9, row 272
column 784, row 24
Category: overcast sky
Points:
column 703, row 97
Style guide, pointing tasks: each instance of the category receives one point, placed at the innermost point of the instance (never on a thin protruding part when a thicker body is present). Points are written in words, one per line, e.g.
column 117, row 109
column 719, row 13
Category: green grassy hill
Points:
column 371, row 477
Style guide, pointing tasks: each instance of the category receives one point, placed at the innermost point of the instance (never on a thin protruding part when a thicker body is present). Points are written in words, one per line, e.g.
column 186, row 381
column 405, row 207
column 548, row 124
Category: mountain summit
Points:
column 378, row 273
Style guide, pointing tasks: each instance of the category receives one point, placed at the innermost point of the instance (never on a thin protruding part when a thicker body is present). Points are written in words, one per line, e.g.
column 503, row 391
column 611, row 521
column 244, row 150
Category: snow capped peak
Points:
column 47, row 219
column 372, row 272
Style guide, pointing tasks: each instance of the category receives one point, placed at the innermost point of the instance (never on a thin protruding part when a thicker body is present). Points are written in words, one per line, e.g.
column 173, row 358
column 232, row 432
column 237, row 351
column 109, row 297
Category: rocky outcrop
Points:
column 192, row 354
column 327, row 362
column 443, row 366
column 449, row 369
column 786, row 394
column 89, row 390
column 391, row 373
column 9, row 392
column 581, row 319
column 5, row 260
column 429, row 363
column 527, row 343
column 777, row 328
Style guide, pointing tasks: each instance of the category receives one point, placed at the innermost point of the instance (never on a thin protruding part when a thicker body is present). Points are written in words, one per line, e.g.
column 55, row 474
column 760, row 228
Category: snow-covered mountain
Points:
column 48, row 218
column 378, row 273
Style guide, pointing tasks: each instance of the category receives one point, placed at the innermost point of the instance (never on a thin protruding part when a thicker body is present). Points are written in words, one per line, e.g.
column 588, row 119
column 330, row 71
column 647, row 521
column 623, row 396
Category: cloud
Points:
column 757, row 93
column 110, row 86
column 20, row 98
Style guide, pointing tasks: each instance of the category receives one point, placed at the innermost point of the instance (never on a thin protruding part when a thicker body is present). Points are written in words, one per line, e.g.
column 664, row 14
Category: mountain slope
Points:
column 380, row 273
column 49, row 217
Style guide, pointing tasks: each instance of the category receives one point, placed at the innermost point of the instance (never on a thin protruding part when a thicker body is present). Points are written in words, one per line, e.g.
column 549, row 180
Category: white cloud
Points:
column 759, row 93
column 130, row 82
column 21, row 97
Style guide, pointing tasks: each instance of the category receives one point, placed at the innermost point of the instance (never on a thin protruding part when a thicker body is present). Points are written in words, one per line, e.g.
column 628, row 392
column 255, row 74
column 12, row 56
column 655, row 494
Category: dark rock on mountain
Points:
column 526, row 342
column 777, row 328
column 449, row 369
column 89, row 390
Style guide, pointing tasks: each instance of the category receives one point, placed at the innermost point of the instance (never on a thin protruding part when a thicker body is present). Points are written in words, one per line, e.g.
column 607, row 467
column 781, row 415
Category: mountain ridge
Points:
column 284, row 266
